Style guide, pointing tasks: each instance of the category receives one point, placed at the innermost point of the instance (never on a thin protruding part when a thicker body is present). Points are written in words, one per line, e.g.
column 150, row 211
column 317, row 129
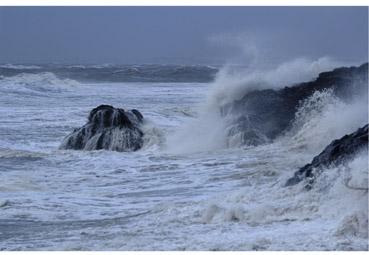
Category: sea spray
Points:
column 233, row 83
column 322, row 118
column 215, row 130
column 205, row 133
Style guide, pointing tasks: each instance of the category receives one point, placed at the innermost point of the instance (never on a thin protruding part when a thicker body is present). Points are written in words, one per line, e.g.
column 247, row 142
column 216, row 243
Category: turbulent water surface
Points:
column 187, row 189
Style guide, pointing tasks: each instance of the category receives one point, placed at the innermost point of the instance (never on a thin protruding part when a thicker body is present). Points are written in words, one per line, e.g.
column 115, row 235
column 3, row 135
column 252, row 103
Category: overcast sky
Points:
column 180, row 34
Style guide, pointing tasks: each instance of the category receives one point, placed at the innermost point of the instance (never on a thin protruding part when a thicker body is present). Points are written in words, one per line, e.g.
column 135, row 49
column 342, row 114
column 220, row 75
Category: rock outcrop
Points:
column 108, row 128
column 260, row 116
column 335, row 153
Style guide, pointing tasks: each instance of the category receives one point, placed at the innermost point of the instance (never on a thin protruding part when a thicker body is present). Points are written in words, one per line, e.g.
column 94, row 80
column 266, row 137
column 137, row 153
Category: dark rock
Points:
column 262, row 115
column 334, row 154
column 108, row 128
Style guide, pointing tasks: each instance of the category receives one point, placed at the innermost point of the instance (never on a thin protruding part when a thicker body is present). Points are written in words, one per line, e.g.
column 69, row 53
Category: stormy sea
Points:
column 184, row 157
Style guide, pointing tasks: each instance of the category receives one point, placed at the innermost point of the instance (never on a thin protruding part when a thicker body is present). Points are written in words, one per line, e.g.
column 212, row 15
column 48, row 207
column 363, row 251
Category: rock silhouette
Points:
column 108, row 128
column 335, row 153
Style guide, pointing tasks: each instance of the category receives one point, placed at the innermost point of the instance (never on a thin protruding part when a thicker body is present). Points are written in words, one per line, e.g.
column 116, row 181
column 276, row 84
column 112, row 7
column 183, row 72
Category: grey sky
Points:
column 180, row 34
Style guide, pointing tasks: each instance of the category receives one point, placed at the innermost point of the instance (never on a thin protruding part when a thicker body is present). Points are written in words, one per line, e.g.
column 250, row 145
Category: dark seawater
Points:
column 118, row 73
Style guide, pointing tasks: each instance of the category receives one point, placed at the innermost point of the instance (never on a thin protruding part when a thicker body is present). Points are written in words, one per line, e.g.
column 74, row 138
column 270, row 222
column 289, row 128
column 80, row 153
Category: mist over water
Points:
column 191, row 187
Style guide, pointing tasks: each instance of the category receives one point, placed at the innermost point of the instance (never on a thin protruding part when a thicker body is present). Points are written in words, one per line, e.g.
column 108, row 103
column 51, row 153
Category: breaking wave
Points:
column 341, row 193
column 232, row 83
column 198, row 197
column 35, row 84
column 323, row 117
column 210, row 130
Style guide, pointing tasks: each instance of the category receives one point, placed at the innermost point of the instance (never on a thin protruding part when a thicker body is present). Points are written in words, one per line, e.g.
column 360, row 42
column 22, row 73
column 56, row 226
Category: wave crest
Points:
column 36, row 84
column 232, row 83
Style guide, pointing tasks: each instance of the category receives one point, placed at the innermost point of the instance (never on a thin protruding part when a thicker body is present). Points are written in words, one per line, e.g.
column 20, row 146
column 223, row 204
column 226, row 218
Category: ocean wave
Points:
column 233, row 83
column 323, row 117
column 119, row 73
column 215, row 130
column 35, row 84
column 340, row 196
column 20, row 67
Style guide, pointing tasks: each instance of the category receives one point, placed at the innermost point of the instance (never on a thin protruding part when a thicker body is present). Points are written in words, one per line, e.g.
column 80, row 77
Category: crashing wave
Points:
column 330, row 201
column 337, row 152
column 255, row 107
column 261, row 116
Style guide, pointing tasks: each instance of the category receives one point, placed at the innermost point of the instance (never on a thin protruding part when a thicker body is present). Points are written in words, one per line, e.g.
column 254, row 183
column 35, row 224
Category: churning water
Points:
column 187, row 189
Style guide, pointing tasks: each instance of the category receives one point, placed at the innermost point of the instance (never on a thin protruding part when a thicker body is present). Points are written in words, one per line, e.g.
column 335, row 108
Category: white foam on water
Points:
column 36, row 84
column 185, row 190
column 205, row 133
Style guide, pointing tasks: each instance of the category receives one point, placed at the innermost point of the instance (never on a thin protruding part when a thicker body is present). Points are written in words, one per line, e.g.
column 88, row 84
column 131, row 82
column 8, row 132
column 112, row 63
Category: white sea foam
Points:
column 336, row 207
column 165, row 196
column 154, row 138
column 40, row 83
column 232, row 84
column 344, row 206
column 205, row 133
column 323, row 117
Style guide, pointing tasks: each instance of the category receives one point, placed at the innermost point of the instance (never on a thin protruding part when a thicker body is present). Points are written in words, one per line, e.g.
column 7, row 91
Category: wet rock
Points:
column 335, row 153
column 260, row 116
column 108, row 128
